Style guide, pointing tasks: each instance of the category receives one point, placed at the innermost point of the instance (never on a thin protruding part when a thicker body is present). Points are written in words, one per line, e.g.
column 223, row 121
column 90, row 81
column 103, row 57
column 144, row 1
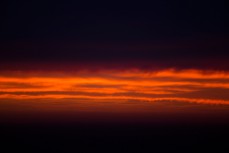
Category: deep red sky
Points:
column 133, row 92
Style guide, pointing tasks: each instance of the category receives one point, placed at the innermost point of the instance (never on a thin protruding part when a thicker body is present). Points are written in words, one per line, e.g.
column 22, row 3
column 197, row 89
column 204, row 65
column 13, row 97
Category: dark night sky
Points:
column 90, row 22
column 182, row 34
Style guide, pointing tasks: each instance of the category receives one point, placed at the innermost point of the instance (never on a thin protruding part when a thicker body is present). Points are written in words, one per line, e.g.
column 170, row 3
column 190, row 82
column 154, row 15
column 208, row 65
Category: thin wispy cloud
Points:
column 192, row 86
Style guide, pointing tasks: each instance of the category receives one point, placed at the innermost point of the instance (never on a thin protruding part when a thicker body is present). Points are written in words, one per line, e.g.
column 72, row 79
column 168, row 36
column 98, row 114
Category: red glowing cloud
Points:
column 186, row 85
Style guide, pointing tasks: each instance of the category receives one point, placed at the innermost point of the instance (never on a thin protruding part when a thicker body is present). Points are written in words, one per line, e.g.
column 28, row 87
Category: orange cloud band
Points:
column 207, row 87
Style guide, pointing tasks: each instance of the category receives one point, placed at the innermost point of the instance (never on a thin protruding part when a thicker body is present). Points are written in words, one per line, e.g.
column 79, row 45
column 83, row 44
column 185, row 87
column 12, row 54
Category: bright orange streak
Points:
column 191, row 73
column 120, row 98
column 170, row 85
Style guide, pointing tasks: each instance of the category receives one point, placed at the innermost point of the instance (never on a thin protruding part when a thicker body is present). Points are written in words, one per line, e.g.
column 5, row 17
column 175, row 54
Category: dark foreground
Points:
column 115, row 133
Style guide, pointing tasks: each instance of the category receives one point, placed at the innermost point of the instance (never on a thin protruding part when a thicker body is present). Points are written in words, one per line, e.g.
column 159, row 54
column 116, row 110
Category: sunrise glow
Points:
column 192, row 86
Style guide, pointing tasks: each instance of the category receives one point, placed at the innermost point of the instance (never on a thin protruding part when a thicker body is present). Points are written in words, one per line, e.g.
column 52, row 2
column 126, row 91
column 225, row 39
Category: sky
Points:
column 162, row 34
column 161, row 62
column 71, row 41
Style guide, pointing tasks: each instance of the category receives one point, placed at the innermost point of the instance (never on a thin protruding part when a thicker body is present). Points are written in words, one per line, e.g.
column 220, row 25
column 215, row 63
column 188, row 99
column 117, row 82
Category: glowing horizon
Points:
column 193, row 86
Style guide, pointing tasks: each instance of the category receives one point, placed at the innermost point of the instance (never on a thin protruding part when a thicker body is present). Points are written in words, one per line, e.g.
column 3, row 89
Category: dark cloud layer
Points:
column 190, row 34
column 201, row 54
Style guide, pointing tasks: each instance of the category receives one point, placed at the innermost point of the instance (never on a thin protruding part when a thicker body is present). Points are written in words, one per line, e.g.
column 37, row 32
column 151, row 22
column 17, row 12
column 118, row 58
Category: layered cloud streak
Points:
column 193, row 86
